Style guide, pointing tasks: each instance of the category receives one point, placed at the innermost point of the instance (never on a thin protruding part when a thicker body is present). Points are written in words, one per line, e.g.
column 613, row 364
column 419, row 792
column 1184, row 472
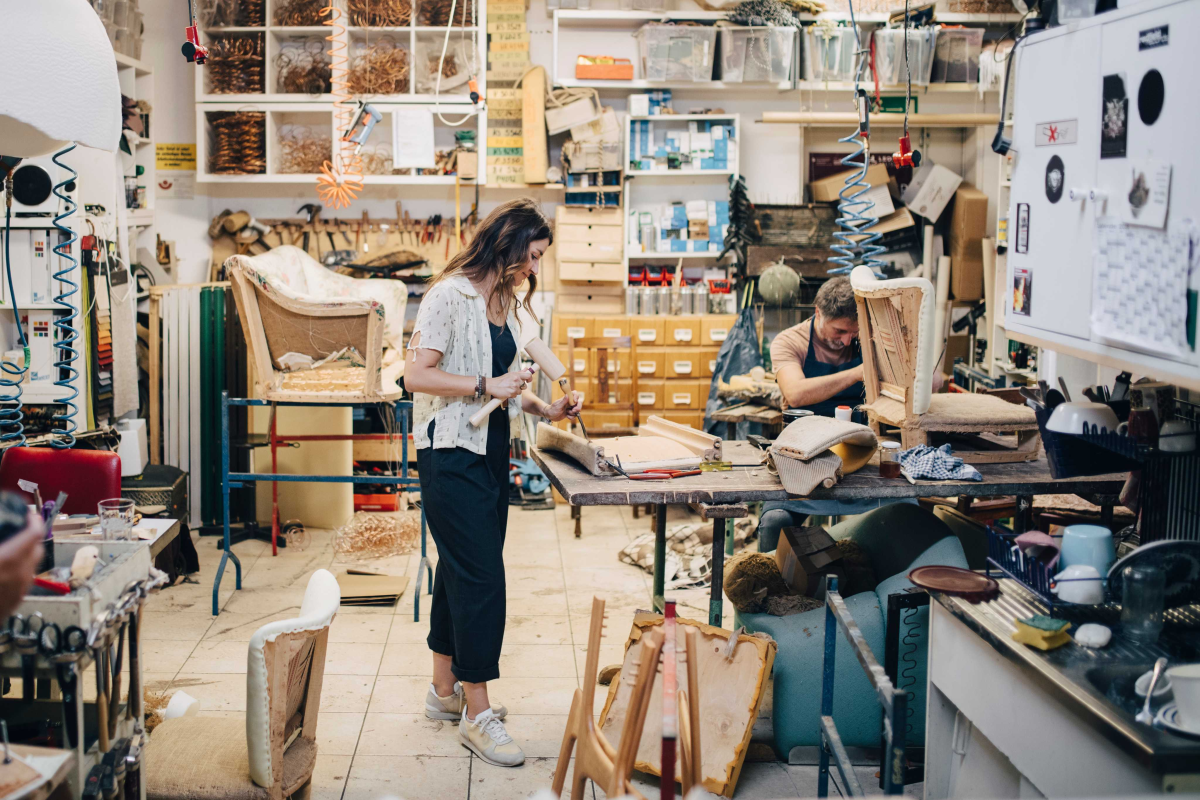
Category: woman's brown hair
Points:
column 501, row 245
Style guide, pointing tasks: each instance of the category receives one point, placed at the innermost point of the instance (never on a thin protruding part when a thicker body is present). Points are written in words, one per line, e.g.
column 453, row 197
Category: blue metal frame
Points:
column 893, row 700
column 234, row 480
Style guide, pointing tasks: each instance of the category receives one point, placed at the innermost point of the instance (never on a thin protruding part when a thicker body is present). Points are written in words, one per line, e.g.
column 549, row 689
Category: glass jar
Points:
column 889, row 459
column 1143, row 591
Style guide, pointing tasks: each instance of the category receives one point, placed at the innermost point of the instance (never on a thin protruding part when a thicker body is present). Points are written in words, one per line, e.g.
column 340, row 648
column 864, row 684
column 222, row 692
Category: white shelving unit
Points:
column 317, row 110
column 669, row 186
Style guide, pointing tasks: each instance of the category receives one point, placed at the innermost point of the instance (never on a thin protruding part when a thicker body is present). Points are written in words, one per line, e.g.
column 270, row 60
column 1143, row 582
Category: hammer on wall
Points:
column 544, row 357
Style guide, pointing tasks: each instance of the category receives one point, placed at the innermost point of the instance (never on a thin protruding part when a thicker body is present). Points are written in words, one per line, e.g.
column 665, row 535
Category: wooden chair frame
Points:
column 595, row 757
column 281, row 656
column 691, row 769
column 362, row 320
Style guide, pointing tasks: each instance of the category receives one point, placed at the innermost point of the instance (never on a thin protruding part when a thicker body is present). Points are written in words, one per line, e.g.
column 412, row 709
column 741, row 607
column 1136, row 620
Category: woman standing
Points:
column 463, row 351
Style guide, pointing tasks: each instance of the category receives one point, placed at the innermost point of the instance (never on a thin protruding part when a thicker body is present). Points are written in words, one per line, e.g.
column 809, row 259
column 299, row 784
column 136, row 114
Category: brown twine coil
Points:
column 381, row 68
column 304, row 69
column 380, row 13
column 235, row 64
column 436, row 13
column 232, row 13
column 377, row 159
column 299, row 13
column 302, row 150
column 238, row 142
column 376, row 536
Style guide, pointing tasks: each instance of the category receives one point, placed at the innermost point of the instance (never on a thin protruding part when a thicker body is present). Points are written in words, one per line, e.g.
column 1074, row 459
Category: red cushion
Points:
column 87, row 476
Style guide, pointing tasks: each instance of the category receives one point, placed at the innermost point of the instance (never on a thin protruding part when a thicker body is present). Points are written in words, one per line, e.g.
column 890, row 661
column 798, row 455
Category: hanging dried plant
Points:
column 380, row 69
column 235, row 64
column 238, row 142
column 380, row 13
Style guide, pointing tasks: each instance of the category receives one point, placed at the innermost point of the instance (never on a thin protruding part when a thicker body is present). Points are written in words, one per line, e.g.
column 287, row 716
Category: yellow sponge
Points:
column 1040, row 635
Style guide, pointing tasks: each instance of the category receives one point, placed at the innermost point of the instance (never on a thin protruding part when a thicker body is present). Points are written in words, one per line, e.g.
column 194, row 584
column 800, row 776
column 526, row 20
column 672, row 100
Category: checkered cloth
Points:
column 936, row 464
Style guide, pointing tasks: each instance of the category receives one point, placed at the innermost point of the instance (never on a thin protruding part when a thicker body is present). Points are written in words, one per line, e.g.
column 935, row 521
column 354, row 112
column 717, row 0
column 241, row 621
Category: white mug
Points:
column 1079, row 584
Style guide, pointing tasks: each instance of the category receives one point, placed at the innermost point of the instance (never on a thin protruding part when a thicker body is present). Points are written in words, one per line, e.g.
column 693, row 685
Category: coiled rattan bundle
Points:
column 238, row 142
column 235, row 64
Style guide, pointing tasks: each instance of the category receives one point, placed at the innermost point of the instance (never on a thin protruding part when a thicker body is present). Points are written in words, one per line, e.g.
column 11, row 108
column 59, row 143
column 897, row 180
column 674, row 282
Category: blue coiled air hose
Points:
column 12, row 415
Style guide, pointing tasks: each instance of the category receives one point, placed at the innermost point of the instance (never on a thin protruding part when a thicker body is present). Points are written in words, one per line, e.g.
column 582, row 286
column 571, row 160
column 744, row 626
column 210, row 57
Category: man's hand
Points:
column 19, row 560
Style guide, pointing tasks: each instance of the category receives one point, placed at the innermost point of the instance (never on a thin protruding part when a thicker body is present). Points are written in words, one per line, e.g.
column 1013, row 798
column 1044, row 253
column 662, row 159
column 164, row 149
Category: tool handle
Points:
column 479, row 416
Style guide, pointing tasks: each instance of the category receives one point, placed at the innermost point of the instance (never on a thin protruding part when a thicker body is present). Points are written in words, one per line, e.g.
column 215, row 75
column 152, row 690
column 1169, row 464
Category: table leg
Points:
column 424, row 568
column 660, row 556
column 715, row 604
column 731, row 431
column 1106, row 516
column 227, row 551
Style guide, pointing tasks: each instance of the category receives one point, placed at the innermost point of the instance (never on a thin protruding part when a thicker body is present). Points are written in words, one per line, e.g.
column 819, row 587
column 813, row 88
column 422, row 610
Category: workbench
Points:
column 713, row 490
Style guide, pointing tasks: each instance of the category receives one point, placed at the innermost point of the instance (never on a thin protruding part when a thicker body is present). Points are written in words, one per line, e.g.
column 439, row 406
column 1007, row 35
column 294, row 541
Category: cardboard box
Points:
column 610, row 327
column 682, row 331
column 805, row 554
column 650, row 393
column 931, row 190
column 683, row 362
column 651, row 362
column 708, row 361
column 826, row 189
column 714, row 328
column 964, row 242
column 648, row 330
column 571, row 326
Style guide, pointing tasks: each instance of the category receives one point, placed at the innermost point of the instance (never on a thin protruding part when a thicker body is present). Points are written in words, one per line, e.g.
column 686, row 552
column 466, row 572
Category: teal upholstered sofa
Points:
column 895, row 539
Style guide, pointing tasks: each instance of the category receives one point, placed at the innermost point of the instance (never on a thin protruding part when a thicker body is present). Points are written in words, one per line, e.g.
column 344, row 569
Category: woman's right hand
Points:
column 509, row 385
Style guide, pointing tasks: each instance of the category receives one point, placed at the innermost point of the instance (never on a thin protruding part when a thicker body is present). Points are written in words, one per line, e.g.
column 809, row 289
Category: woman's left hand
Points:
column 565, row 406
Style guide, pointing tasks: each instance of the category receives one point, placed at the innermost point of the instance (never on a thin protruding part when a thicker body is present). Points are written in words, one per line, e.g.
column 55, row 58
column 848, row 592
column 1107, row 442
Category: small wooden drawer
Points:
column 619, row 391
column 598, row 420
column 618, row 363
column 693, row 419
column 715, row 328
column 708, row 361
column 680, row 395
column 651, row 362
column 590, row 271
column 603, row 234
column 650, row 393
column 580, row 215
column 590, row 299
column 647, row 330
column 610, row 327
column 571, row 326
column 683, row 362
column 582, row 360
column 589, row 251
column 645, row 414
column 682, row 331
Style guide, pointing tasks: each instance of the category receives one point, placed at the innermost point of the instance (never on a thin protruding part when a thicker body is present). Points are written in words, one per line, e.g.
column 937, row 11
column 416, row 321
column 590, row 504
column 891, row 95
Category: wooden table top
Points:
column 753, row 484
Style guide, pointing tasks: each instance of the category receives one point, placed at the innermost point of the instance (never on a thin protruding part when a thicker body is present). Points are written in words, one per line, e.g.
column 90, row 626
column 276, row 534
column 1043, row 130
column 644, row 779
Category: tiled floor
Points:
column 374, row 739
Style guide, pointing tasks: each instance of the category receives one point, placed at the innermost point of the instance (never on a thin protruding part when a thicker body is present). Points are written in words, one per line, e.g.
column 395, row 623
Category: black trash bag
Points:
column 739, row 354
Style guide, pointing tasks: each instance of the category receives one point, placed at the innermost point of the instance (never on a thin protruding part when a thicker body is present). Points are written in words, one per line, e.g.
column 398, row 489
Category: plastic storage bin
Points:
column 676, row 52
column 956, row 55
column 829, row 53
column 889, row 55
column 758, row 54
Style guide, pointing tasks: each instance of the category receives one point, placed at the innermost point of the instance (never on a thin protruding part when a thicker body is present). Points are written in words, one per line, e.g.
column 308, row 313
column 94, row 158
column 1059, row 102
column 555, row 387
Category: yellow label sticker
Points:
column 175, row 156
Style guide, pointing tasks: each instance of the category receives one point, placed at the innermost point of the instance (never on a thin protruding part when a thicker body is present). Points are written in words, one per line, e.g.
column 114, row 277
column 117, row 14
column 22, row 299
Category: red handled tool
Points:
column 906, row 157
column 192, row 49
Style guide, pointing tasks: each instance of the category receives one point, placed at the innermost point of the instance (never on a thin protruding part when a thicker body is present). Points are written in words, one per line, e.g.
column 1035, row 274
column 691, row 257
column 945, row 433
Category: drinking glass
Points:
column 116, row 519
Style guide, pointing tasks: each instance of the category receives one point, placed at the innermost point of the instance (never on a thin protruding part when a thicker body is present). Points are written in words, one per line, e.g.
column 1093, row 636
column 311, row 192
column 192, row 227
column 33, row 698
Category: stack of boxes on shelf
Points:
column 697, row 226
column 590, row 255
column 672, row 371
column 507, row 62
column 705, row 145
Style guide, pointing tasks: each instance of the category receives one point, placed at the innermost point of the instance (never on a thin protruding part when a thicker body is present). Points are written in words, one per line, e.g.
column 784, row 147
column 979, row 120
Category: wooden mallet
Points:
column 555, row 370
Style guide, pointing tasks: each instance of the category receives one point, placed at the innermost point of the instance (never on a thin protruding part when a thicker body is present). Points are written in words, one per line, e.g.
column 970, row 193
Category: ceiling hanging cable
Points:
column 474, row 71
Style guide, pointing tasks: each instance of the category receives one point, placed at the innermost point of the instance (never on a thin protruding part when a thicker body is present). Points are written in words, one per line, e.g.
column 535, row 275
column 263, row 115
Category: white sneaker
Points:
column 486, row 737
column 454, row 704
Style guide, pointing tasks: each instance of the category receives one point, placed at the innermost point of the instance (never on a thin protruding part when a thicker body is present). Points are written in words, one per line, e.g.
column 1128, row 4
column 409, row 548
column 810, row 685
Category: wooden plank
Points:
column 535, row 154
column 741, row 485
